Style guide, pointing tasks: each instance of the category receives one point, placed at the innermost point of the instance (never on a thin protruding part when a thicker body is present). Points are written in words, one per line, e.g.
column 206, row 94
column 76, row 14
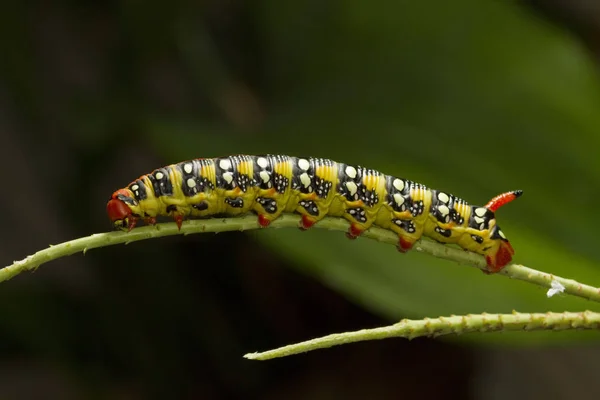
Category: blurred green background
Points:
column 472, row 97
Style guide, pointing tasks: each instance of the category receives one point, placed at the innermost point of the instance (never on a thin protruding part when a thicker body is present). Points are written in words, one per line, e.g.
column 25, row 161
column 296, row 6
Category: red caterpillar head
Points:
column 119, row 211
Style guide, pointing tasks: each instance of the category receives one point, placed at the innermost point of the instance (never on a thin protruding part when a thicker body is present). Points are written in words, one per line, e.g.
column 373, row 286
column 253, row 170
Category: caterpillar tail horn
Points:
column 502, row 199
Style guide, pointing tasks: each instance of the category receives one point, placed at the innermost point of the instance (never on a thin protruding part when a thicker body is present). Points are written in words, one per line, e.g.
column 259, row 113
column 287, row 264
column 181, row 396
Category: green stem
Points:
column 285, row 221
column 444, row 326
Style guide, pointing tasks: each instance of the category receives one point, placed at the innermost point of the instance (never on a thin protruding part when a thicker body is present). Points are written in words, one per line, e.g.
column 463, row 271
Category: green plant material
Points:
column 248, row 222
column 434, row 327
column 483, row 323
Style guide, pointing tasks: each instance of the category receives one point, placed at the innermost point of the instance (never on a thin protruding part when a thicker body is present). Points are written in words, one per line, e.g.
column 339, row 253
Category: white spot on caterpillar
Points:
column 479, row 220
column 350, row 172
column 135, row 187
column 262, row 162
column 480, row 211
column 443, row 197
column 191, row 182
column 305, row 179
column 225, row 164
column 303, row 164
column 444, row 210
column 188, row 168
column 159, row 175
column 352, row 188
column 264, row 175
column 481, row 227
column 501, row 234
column 398, row 199
column 398, row 184
column 228, row 176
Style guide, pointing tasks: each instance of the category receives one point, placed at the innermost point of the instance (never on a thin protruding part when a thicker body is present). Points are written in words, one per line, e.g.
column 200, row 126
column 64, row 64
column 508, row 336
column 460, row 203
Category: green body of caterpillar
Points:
column 270, row 185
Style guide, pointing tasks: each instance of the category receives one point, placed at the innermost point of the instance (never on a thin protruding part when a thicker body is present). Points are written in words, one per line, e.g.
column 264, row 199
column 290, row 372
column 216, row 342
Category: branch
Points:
column 444, row 326
column 248, row 222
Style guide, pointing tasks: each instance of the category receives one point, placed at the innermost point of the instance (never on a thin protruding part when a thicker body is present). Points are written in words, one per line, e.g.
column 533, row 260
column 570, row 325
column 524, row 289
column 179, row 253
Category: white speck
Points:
column 262, row 162
column 228, row 176
column 135, row 187
column 352, row 188
column 225, row 164
column 398, row 184
column 305, row 179
column 264, row 175
column 480, row 211
column 501, row 234
column 188, row 168
column 191, row 183
column 555, row 288
column 159, row 175
column 303, row 164
column 479, row 220
column 350, row 172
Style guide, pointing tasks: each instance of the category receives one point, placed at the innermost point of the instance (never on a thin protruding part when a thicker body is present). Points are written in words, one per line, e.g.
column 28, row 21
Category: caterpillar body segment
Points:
column 270, row 185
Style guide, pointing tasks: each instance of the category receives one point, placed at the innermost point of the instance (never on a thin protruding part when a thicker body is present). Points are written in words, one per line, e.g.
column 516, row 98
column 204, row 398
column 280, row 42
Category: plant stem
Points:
column 444, row 326
column 286, row 221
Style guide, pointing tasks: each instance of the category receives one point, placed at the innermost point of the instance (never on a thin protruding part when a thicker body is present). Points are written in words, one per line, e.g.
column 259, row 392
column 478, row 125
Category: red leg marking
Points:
column 150, row 220
column 306, row 222
column 404, row 245
column 502, row 199
column 501, row 259
column 354, row 231
column 263, row 221
column 178, row 220
column 132, row 222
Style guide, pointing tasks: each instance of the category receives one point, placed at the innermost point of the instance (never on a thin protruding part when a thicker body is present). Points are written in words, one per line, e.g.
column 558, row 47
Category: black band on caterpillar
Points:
column 270, row 185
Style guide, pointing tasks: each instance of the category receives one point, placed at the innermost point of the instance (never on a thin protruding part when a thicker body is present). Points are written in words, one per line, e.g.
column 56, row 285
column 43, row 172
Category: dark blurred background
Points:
column 473, row 97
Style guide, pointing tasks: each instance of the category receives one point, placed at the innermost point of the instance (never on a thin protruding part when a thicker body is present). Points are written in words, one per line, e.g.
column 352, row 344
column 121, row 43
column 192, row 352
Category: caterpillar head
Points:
column 119, row 210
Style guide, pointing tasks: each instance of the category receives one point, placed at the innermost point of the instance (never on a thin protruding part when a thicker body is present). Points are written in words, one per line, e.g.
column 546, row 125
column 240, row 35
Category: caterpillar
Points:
column 270, row 185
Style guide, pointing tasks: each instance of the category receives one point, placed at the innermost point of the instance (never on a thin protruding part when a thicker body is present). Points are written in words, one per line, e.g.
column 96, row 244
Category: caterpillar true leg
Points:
column 150, row 220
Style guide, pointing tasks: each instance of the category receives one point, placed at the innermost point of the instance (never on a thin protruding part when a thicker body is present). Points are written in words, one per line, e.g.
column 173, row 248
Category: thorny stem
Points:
column 434, row 327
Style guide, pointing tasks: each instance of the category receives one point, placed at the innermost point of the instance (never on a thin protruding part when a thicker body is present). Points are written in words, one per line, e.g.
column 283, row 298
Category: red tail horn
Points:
column 502, row 199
